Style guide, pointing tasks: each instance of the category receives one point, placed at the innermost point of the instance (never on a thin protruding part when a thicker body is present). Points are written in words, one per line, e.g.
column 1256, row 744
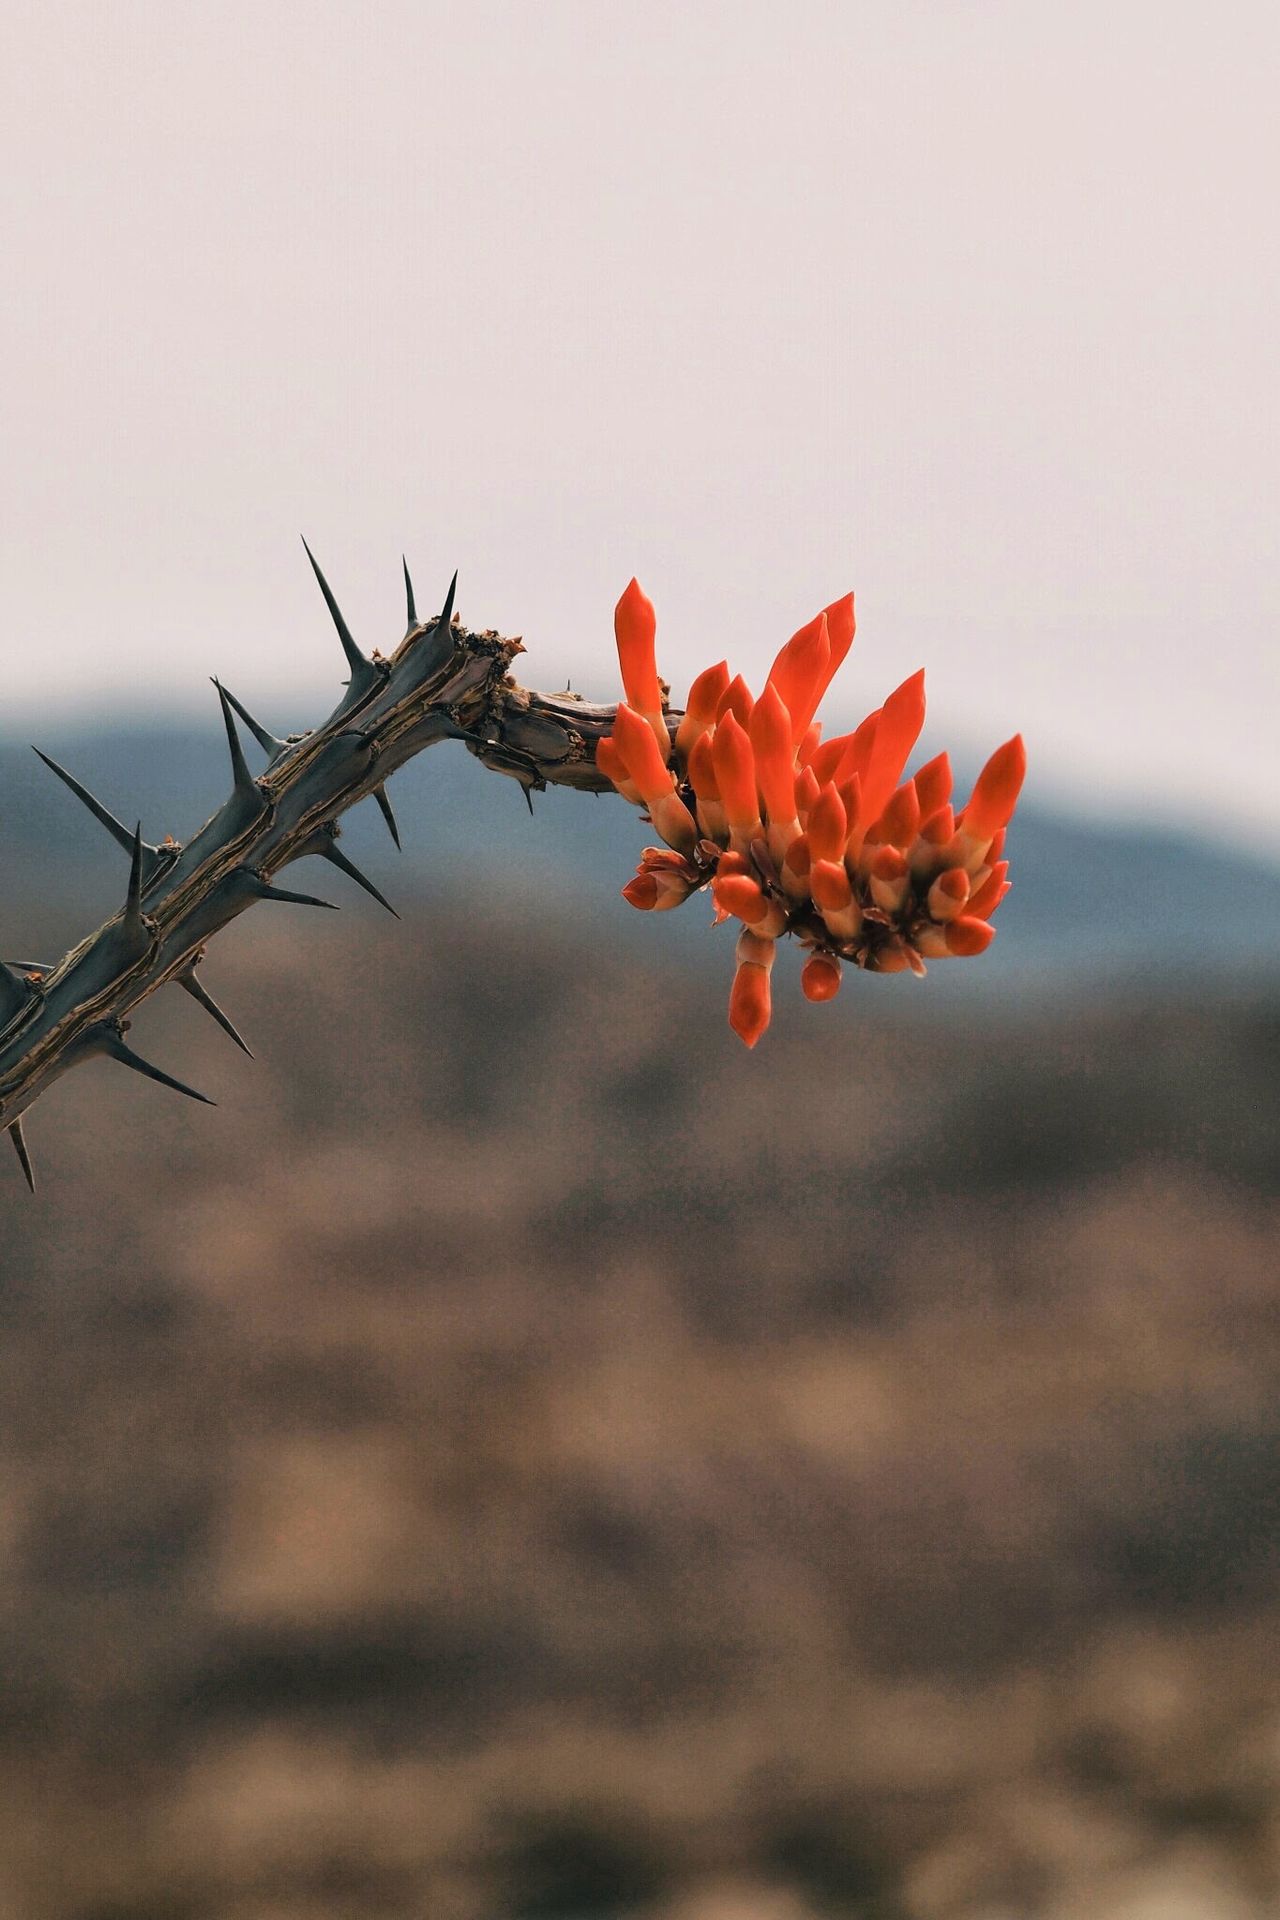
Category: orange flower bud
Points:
column 949, row 894
column 996, row 790
column 933, row 785
column 857, row 755
column 992, row 891
column 739, row 894
column 774, row 754
column 613, row 767
column 800, row 673
column 749, row 1000
column 827, row 759
column 898, row 823
column 809, row 744
column 939, row 829
column 827, row 827
column 841, row 627
column 735, row 769
column 889, row 878
column 808, row 787
column 737, row 700
column 829, row 886
column 634, row 628
column 640, row 755
column 674, row 822
column 705, row 695
column 901, row 719
column 966, row 936
column 820, row 977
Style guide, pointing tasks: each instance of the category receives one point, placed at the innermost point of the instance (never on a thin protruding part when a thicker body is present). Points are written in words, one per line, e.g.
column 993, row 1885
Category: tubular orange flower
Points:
column 826, row 841
column 749, row 1001
column 705, row 695
column 635, row 626
column 800, row 673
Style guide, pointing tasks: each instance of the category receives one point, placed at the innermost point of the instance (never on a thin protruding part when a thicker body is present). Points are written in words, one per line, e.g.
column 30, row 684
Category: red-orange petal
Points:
column 634, row 628
column 642, row 892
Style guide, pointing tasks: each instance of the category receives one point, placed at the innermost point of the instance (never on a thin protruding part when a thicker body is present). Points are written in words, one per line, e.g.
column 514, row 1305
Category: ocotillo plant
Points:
column 818, row 840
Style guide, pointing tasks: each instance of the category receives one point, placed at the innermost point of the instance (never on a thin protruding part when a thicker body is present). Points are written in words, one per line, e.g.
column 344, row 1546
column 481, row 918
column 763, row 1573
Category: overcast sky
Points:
column 970, row 307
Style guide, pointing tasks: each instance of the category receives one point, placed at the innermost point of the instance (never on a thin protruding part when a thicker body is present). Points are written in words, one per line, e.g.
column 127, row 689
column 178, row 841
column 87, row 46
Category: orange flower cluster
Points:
column 820, row 839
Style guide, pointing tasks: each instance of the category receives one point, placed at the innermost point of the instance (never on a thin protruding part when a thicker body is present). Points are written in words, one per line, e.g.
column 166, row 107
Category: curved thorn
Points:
column 27, row 966
column 116, row 828
column 190, row 983
column 267, row 741
column 112, row 1044
column 528, row 797
column 243, row 780
column 338, row 858
column 411, row 610
column 355, row 658
column 384, row 808
column 19, row 1140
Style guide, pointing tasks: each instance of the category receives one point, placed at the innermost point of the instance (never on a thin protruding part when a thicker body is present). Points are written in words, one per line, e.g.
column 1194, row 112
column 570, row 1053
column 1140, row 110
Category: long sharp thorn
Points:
column 446, row 612
column 384, row 808
column 410, row 609
column 19, row 1140
column 115, row 1048
column 339, row 859
column 133, row 899
column 528, row 797
column 355, row 658
column 192, row 984
column 267, row 741
column 116, row 828
column 265, row 891
column 244, row 780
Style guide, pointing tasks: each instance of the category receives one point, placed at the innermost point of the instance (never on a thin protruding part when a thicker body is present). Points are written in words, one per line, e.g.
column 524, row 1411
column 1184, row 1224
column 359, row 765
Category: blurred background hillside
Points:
column 522, row 1455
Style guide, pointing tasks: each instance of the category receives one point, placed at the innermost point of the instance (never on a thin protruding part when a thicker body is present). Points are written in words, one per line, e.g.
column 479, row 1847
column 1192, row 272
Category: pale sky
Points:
column 970, row 307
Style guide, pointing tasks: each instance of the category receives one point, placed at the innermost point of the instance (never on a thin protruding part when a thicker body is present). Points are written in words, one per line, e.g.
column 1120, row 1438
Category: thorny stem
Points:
column 442, row 682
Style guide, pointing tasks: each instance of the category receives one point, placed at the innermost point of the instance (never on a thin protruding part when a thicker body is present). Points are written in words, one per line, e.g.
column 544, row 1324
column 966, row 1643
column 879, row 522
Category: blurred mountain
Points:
column 1087, row 899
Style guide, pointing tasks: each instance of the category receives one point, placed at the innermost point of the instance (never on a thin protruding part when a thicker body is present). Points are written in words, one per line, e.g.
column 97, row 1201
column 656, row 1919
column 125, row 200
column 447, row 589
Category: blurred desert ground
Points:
column 520, row 1455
